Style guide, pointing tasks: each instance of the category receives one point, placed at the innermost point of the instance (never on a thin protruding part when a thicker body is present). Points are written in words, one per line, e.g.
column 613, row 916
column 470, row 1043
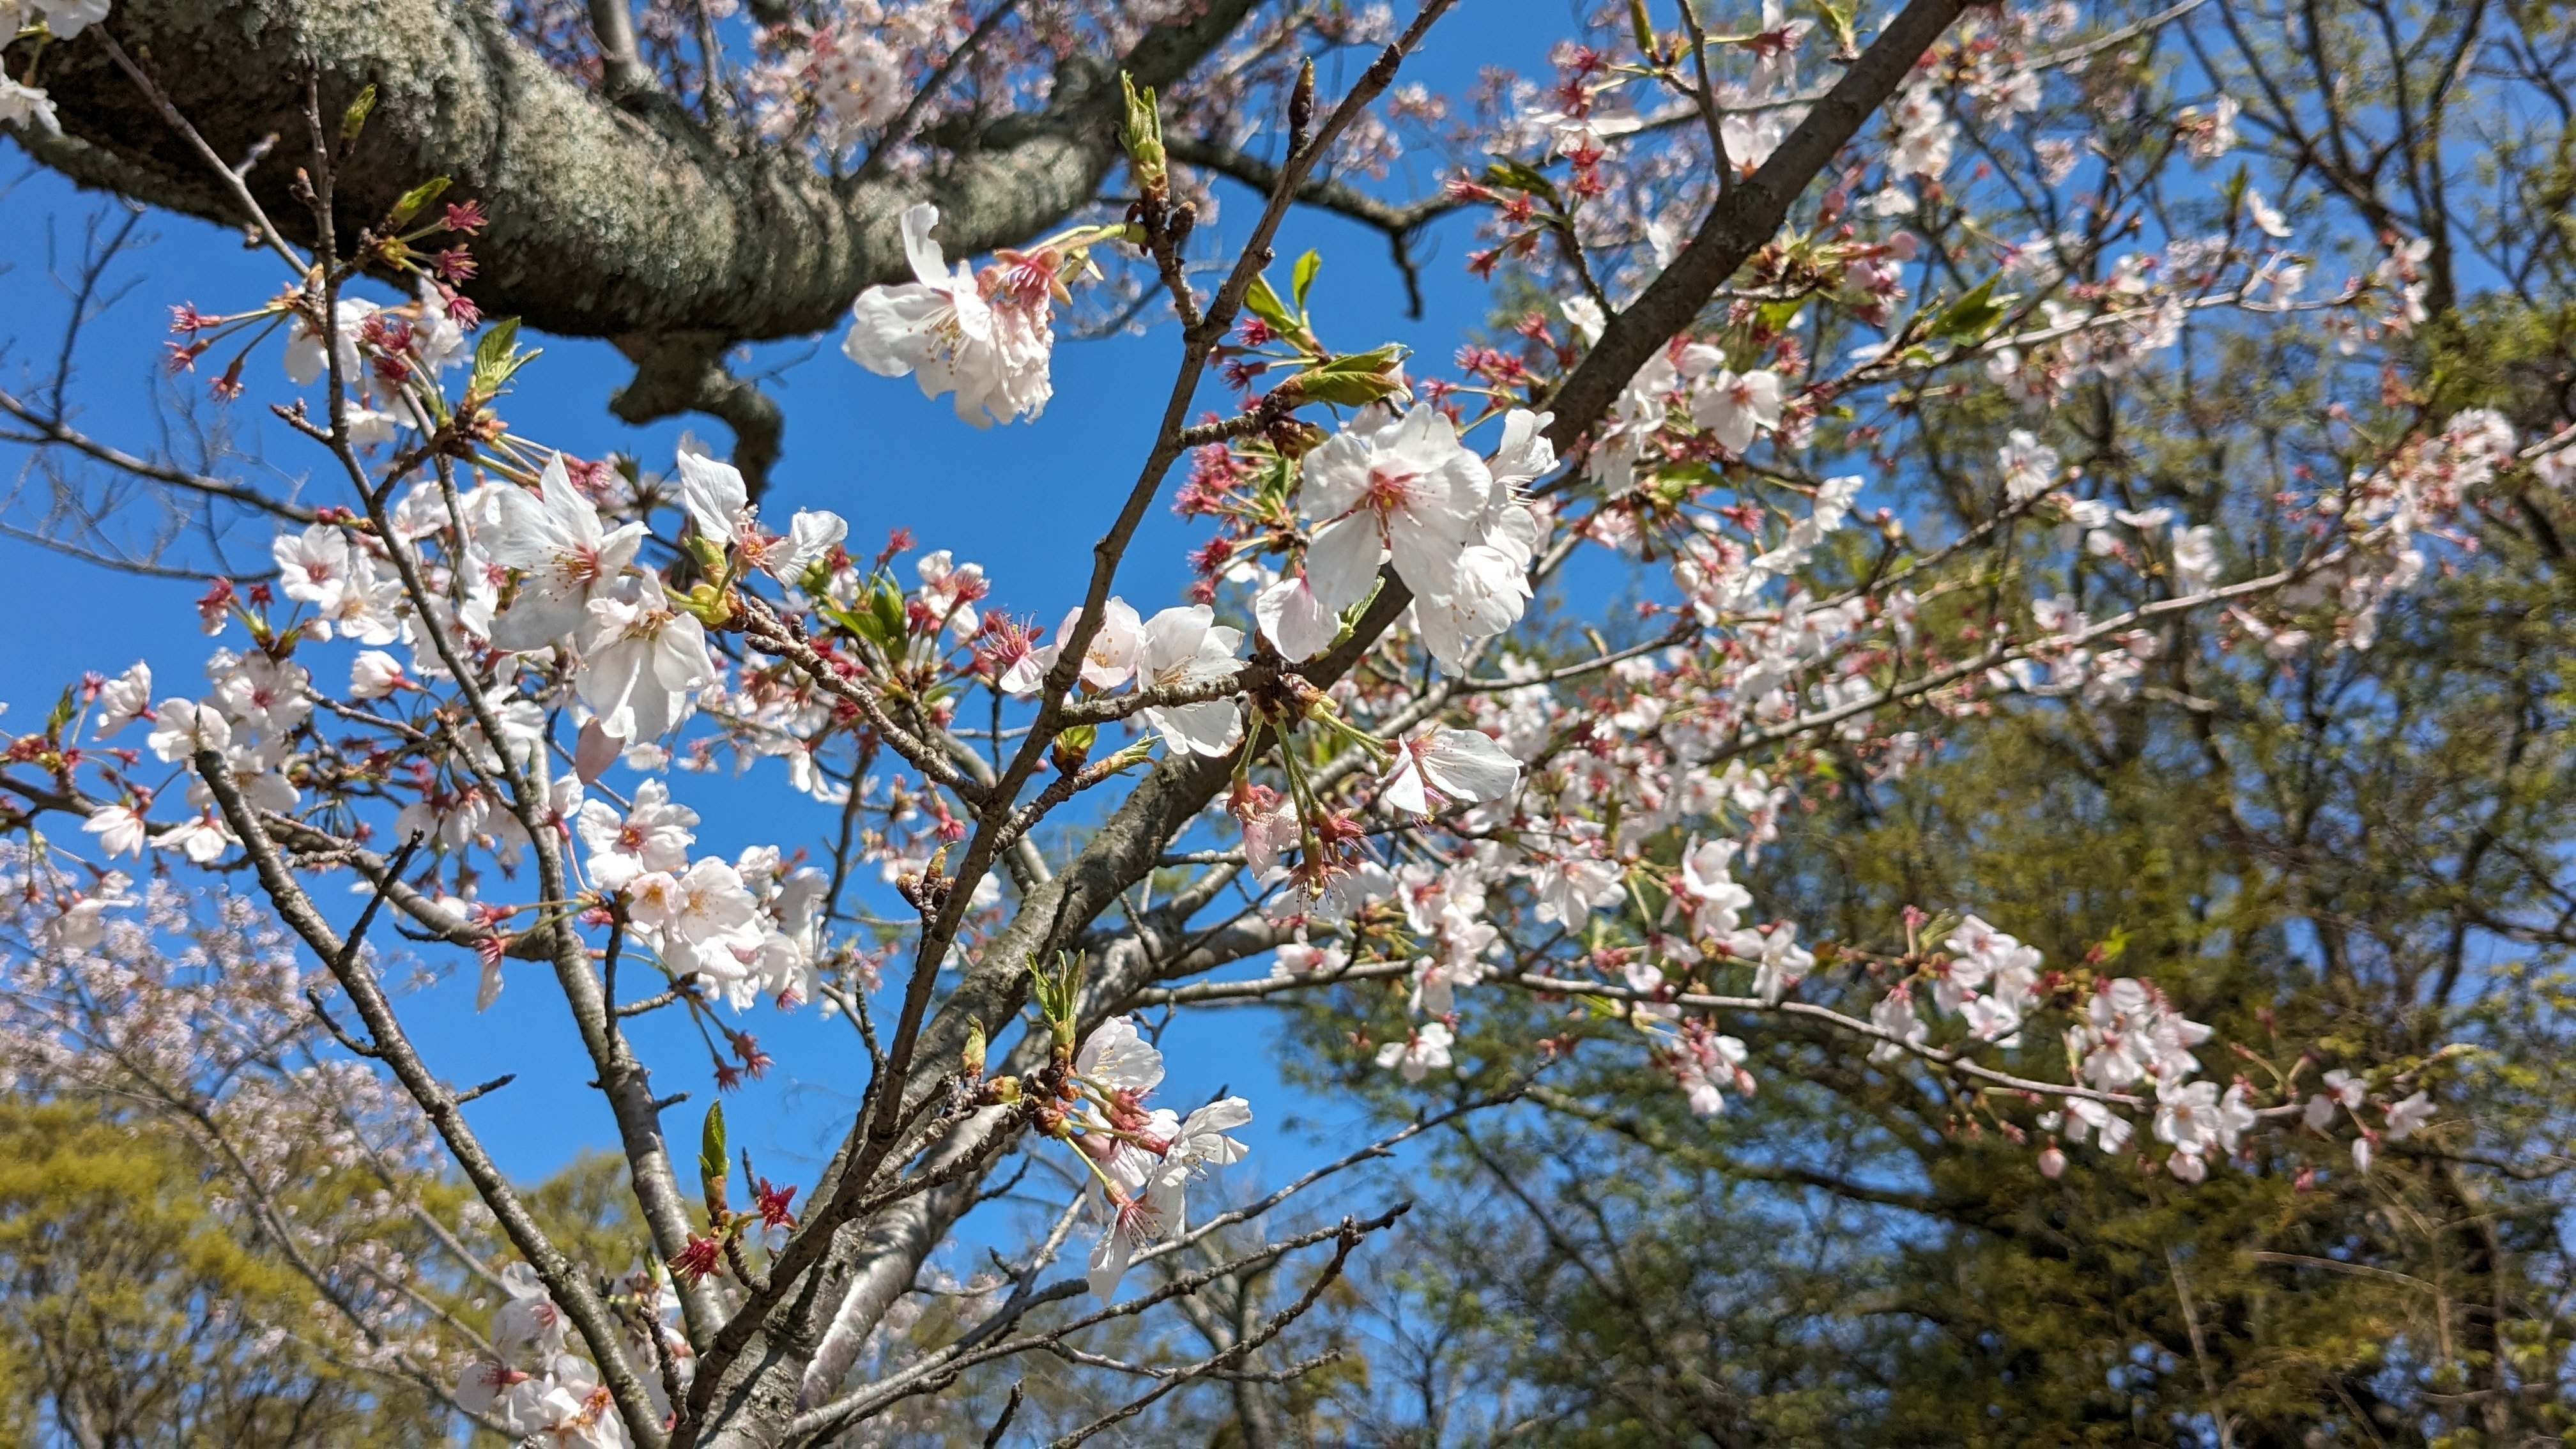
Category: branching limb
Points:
column 684, row 372
column 1401, row 222
column 563, row 1280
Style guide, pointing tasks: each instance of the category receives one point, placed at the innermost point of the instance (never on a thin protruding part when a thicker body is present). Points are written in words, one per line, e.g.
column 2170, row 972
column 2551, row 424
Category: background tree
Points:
column 2351, row 862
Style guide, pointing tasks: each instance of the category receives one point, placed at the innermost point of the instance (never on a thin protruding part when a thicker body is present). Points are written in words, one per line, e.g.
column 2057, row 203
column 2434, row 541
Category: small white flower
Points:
column 120, row 831
column 1779, row 962
column 1200, row 1144
column 1107, row 663
column 2029, row 466
column 1405, row 490
column 641, row 662
column 1713, row 897
column 123, row 700
column 654, row 835
column 811, row 536
column 2267, row 217
column 1423, row 1052
column 1447, row 766
column 568, row 561
column 1117, row 1057
column 1733, row 407
column 988, row 346
column 2407, row 1118
column 182, row 727
column 374, row 674
column 1184, row 648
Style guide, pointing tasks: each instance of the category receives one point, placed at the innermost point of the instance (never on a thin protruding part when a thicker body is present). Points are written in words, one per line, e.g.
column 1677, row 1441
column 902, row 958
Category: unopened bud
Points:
column 1073, row 747
column 971, row 1060
column 1141, row 135
column 354, row 119
column 1301, row 107
column 1644, row 26
column 706, row 605
column 708, row 552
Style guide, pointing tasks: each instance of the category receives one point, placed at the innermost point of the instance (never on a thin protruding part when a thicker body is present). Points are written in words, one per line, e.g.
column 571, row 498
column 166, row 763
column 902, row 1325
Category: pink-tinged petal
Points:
column 1341, row 564
column 1336, row 475
column 890, row 326
column 1296, row 623
column 1404, row 788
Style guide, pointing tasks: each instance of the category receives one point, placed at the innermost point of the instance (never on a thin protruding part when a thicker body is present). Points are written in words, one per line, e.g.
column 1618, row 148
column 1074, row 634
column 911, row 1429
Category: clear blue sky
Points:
column 1024, row 501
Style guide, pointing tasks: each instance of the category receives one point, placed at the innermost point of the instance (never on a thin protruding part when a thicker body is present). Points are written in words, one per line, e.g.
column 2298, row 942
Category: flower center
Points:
column 1393, row 486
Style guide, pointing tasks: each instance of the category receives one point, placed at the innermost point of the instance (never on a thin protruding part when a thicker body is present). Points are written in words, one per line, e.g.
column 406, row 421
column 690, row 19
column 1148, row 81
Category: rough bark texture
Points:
column 606, row 221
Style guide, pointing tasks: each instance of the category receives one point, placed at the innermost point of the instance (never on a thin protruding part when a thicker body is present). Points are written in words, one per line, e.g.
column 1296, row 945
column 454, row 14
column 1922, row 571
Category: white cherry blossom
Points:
column 954, row 334
column 641, row 663
column 1734, row 407
column 119, row 829
column 653, row 835
column 567, row 559
column 123, row 700
column 1107, row 663
column 1405, row 489
column 1185, row 648
column 1424, row 1051
column 1444, row 766
column 2029, row 466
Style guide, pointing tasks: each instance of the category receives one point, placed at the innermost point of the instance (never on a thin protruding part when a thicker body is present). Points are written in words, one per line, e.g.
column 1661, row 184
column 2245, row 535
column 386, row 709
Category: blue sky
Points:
column 1024, row 501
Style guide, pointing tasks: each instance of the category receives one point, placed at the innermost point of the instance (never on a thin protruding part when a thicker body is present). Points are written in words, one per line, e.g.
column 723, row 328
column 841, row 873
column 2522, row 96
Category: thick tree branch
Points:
column 605, row 222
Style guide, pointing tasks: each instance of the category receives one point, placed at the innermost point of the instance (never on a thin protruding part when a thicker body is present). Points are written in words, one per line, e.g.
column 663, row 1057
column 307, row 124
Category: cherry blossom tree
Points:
column 1797, row 325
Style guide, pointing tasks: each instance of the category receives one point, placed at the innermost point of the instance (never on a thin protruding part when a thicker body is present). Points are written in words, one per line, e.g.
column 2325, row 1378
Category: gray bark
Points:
column 607, row 221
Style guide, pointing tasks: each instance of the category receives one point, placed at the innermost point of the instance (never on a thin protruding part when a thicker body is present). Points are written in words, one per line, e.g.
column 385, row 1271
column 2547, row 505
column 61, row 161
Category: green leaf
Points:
column 416, row 198
column 885, row 603
column 1354, row 379
column 64, row 710
column 1519, row 176
column 354, row 119
column 1973, row 315
column 711, row 1146
column 1265, row 304
column 493, row 347
column 1776, row 316
column 1303, row 278
column 497, row 358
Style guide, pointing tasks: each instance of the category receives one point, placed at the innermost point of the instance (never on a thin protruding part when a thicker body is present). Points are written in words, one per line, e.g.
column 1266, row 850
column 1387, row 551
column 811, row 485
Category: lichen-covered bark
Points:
column 606, row 221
